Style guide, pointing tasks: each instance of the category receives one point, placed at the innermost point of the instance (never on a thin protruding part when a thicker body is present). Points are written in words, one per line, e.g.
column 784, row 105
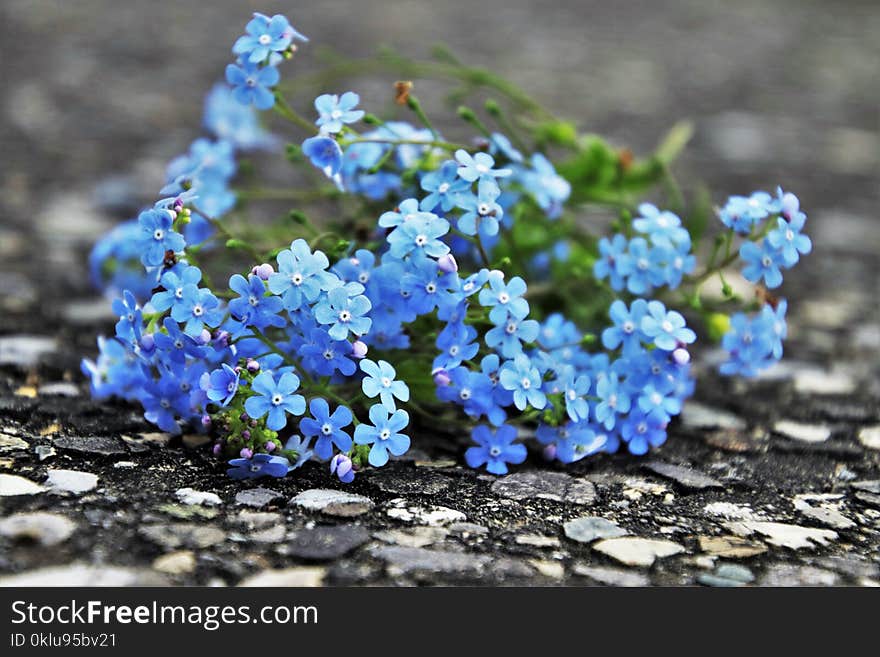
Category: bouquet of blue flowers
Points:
column 463, row 281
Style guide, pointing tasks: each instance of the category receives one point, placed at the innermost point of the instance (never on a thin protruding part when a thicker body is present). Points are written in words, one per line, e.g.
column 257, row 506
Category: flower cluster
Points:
column 322, row 353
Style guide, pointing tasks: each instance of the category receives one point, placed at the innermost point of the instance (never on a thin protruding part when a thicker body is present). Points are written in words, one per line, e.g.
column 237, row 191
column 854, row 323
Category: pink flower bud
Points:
column 246, row 434
column 217, row 448
column 441, row 377
column 550, row 452
column 264, row 271
column 358, row 349
column 253, row 366
column 206, row 420
column 447, row 264
column 270, row 447
column 147, row 342
column 681, row 356
column 246, row 453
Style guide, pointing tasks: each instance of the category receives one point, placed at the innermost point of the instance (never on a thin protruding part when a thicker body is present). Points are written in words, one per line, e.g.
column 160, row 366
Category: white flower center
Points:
column 327, row 428
column 277, row 399
column 265, row 39
column 253, row 300
column 572, row 395
column 494, row 452
column 421, row 240
column 526, row 383
column 344, row 316
column 335, row 114
column 178, row 293
column 656, row 399
column 482, row 168
column 430, row 288
column 385, row 434
column 628, row 327
column 296, row 279
column 158, row 234
column 453, row 350
column 666, row 326
column 464, row 394
column 363, row 277
column 503, row 297
column 766, row 261
column 642, row 264
column 789, row 234
column 386, row 382
column 198, row 311
column 443, row 188
column 483, row 209
column 510, row 328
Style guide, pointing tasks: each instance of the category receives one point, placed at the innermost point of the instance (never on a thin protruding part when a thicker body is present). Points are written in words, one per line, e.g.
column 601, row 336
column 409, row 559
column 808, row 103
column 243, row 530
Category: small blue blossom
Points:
column 574, row 390
column 524, row 380
column 481, row 212
column 495, row 449
column 420, row 234
column 788, row 239
column 301, row 275
column 384, row 434
column 762, row 262
column 479, row 165
column 380, row 382
column 324, row 153
column 259, row 465
column 572, row 440
column 157, row 237
column 613, row 400
column 251, row 84
column 336, row 111
column 662, row 227
column 173, row 282
column 176, row 344
column 344, row 312
column 197, row 308
column 614, row 262
column 743, row 213
column 456, row 341
column 627, row 329
column 407, row 210
column 275, row 399
column 657, row 405
column 506, row 300
column 266, row 38
column 666, row 328
column 128, row 328
column 253, row 307
column 641, row 432
column 323, row 355
column 499, row 143
column 221, row 384
column 646, row 270
column 549, row 189
column 443, row 185
column 231, row 121
column 754, row 343
column 508, row 337
column 327, row 427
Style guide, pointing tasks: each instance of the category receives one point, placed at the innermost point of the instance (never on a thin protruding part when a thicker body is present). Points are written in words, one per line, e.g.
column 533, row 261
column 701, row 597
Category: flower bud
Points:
column 358, row 349
column 264, row 271
column 252, row 366
column 342, row 467
column 270, row 447
column 246, row 434
column 221, row 339
column 217, row 448
column 206, row 420
column 550, row 452
column 246, row 453
column 681, row 356
column 147, row 342
column 205, row 336
column 441, row 377
column 447, row 264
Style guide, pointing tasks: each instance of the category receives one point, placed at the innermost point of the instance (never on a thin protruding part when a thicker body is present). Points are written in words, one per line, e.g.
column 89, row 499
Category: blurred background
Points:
column 98, row 95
